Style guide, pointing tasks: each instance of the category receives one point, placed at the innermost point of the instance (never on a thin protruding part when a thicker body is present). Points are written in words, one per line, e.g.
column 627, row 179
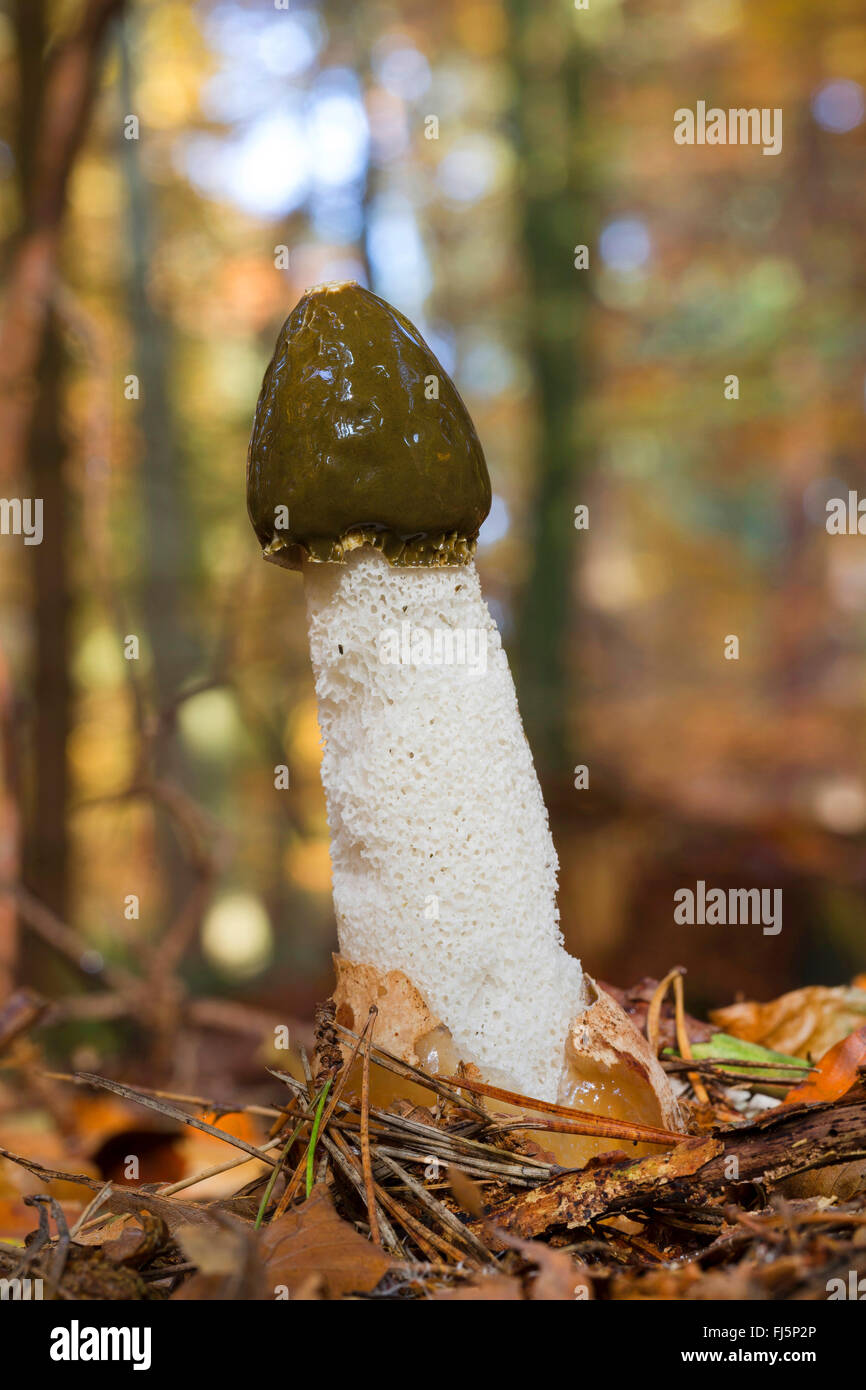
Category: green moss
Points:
column 361, row 436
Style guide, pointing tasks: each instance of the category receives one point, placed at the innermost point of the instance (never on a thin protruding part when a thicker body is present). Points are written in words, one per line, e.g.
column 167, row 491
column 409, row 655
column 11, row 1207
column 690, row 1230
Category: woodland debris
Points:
column 467, row 1205
column 784, row 1142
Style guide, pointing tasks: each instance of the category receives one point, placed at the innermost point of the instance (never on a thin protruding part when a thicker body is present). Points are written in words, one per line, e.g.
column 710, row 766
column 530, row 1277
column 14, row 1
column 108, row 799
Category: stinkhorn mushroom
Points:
column 365, row 472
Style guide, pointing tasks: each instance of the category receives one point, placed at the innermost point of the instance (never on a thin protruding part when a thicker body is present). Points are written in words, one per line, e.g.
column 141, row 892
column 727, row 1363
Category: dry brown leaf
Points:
column 172, row 1211
column 109, row 1231
column 558, row 1278
column 313, row 1240
column 841, row 1181
column 836, row 1073
column 215, row 1251
column 403, row 1014
column 138, row 1242
column 485, row 1288
column 229, row 1262
column 467, row 1192
column 805, row 1022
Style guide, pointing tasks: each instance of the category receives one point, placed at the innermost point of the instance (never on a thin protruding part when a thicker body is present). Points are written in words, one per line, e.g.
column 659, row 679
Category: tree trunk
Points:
column 549, row 78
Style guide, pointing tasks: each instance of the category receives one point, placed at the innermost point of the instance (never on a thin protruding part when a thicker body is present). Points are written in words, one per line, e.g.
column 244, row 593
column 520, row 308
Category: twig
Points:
column 212, row 1172
column 339, row 1151
column 163, row 1108
column 447, row 1218
column 654, row 1011
column 292, row 1186
column 683, row 1041
column 64, row 939
column 455, row 1142
column 469, row 1165
column 580, row 1121
column 365, row 1129
column 91, row 1209
column 421, row 1234
column 672, row 1063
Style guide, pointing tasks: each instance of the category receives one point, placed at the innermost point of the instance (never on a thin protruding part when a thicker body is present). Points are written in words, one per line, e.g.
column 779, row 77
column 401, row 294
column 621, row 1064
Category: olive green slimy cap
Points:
column 360, row 438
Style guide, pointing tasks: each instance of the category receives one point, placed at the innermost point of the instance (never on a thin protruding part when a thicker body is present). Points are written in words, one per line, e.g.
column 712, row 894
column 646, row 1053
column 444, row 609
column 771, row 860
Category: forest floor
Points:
column 436, row 1194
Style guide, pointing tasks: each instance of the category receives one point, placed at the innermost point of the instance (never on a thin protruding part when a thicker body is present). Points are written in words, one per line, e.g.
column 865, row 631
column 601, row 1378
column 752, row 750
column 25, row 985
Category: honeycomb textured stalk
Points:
column 443, row 862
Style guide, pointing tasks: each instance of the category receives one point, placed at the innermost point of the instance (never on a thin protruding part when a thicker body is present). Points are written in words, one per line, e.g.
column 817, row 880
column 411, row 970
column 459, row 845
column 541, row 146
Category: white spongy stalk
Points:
column 443, row 862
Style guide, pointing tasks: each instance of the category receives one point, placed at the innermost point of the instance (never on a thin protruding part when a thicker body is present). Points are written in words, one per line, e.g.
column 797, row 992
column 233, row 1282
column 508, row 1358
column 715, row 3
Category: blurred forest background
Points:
column 273, row 149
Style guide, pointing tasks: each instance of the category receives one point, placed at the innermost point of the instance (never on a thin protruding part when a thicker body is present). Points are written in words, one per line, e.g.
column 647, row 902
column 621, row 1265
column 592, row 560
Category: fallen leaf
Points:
column 228, row 1260
column 139, row 1242
column 725, row 1048
column 804, row 1023
column 558, row 1278
column 836, row 1072
column 107, row 1232
column 467, row 1193
column 841, row 1181
column 214, row 1252
column 313, row 1240
column 173, row 1212
column 485, row 1288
